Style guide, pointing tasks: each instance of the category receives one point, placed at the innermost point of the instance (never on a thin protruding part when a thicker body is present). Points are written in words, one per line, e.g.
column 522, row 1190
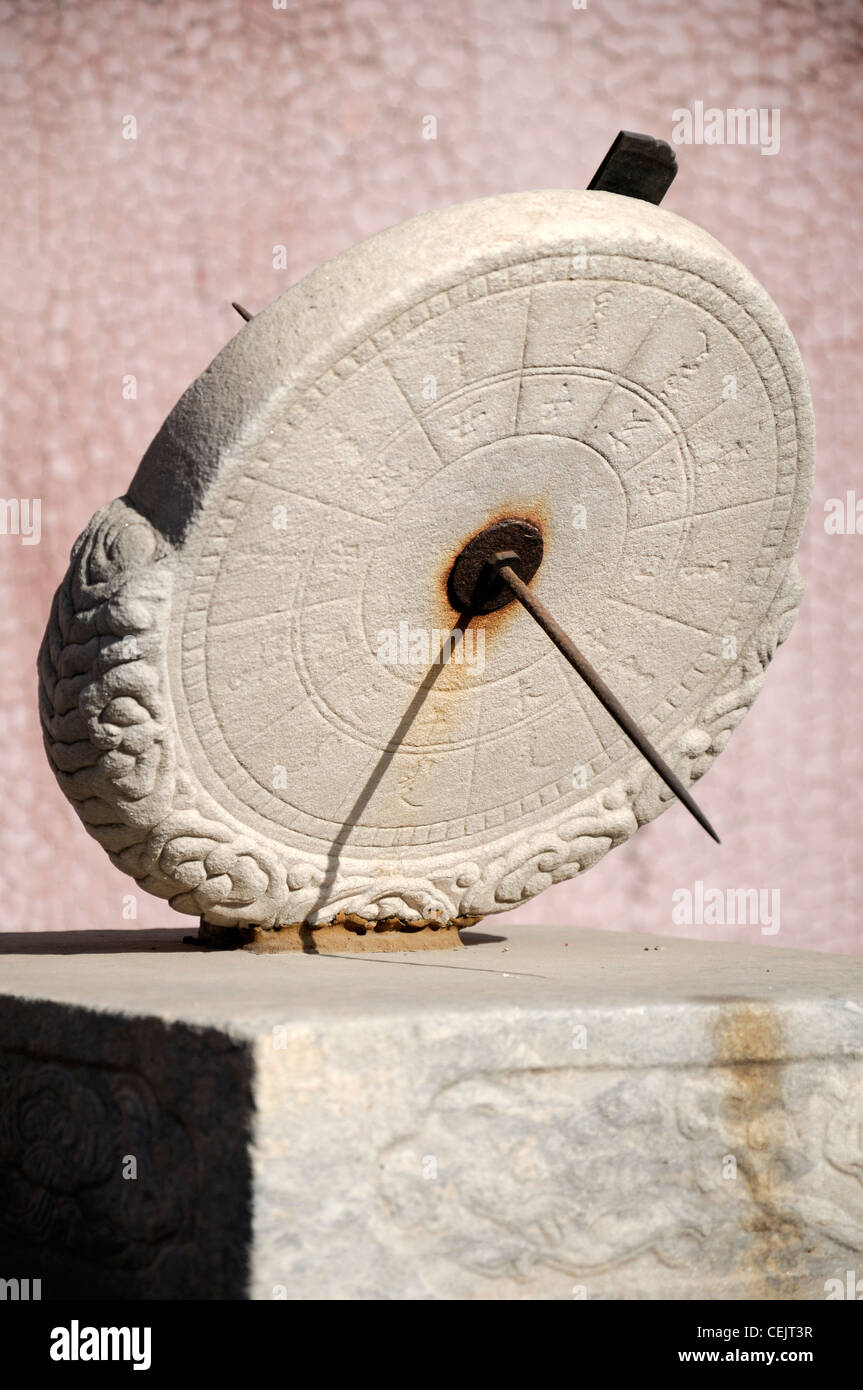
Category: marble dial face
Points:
column 645, row 409
column 627, row 421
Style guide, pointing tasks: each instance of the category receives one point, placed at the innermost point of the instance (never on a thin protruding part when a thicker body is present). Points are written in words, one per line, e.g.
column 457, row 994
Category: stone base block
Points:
column 549, row 1114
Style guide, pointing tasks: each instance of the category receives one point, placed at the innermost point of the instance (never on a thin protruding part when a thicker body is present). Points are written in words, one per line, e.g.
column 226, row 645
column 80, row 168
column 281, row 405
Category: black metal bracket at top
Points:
column 638, row 166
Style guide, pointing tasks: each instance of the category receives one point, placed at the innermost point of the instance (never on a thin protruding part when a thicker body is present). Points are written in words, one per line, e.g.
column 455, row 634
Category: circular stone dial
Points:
column 640, row 401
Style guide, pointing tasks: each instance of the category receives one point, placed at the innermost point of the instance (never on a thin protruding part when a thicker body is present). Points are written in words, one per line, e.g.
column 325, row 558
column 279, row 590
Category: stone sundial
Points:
column 259, row 687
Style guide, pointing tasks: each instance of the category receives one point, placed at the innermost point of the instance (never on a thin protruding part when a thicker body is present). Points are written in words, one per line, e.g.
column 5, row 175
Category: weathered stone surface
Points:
column 546, row 1116
column 214, row 697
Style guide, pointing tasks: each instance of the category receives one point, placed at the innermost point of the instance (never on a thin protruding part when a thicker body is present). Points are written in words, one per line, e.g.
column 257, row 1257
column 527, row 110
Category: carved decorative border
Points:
column 111, row 736
column 111, row 739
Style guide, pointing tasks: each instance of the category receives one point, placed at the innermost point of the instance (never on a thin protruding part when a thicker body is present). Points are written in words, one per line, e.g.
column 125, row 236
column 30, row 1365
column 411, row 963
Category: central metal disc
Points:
column 511, row 534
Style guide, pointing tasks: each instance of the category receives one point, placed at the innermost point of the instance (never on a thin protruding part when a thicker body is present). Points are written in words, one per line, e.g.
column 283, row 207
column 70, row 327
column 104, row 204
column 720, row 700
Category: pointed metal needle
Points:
column 526, row 597
column 243, row 313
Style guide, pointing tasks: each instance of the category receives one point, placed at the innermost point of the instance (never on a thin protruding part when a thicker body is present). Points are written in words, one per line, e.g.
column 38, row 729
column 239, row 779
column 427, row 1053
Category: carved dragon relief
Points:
column 64, row 1126
column 554, row 1199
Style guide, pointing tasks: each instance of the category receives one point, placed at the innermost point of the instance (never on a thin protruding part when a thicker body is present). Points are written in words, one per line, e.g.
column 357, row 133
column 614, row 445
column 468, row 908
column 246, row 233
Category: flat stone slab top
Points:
column 548, row 1114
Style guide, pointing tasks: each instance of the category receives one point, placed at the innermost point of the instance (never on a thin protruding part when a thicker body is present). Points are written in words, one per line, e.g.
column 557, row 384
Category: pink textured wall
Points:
column 258, row 126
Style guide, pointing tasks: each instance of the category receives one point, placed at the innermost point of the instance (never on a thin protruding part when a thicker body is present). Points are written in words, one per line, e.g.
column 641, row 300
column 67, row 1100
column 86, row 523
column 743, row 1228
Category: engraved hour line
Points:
column 579, row 690
column 230, row 622
column 615, row 382
column 576, row 687
column 412, row 752
column 649, row 722
column 258, row 618
column 309, row 695
column 465, row 388
column 248, row 561
column 475, row 751
column 316, row 695
column 618, row 280
column 321, row 602
column 349, row 799
column 241, row 747
column 681, row 434
column 313, row 695
column 666, row 617
column 527, row 314
column 271, row 670
column 336, row 721
column 416, row 416
column 236, row 749
column 677, row 436
column 627, row 385
column 618, row 376
column 709, row 511
column 673, row 443
column 317, row 501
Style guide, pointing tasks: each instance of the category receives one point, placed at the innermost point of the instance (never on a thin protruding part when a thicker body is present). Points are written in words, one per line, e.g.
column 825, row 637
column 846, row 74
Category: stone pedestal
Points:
column 549, row 1114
